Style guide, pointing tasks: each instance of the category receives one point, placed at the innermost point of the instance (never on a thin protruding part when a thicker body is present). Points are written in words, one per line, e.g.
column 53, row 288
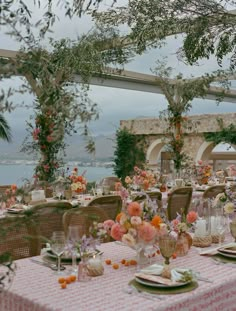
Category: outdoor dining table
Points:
column 36, row 288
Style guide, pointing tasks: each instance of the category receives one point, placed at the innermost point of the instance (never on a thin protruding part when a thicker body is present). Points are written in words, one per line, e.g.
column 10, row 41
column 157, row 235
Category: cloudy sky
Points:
column 118, row 104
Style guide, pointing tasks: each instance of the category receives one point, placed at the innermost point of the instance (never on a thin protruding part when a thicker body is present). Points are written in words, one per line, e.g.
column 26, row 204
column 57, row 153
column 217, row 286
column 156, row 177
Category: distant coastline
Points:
column 106, row 164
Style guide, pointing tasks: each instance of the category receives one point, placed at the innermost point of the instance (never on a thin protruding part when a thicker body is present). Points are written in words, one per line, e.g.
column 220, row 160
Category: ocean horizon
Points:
column 19, row 173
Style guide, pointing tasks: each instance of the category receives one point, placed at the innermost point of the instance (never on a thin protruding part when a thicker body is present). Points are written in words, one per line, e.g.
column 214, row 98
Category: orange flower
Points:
column 13, row 187
column 118, row 217
column 134, row 209
column 156, row 221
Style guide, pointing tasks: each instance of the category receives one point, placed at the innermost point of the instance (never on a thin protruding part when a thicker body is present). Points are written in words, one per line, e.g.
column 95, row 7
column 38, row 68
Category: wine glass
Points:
column 19, row 198
column 149, row 252
column 58, row 247
column 167, row 244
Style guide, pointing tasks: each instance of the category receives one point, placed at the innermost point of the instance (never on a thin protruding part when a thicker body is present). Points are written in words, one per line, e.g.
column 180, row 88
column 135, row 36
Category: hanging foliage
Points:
column 225, row 135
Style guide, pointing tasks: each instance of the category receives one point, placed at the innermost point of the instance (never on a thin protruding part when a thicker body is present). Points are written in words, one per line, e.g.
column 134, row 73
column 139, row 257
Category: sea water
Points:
column 18, row 173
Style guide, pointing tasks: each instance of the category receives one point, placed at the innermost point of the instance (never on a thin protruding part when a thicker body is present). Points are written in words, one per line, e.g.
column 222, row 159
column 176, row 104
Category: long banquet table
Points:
column 36, row 288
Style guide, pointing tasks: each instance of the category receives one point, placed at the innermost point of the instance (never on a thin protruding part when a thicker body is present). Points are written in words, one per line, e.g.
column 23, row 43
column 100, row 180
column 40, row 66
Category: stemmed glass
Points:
column 58, row 247
column 221, row 224
column 74, row 234
column 167, row 244
column 19, row 198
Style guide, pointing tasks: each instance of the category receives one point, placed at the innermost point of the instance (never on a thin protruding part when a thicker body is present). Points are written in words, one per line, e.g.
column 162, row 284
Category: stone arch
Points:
column 153, row 151
column 204, row 151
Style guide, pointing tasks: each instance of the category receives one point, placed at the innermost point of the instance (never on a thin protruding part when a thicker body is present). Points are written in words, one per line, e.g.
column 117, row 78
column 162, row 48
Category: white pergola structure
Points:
column 136, row 81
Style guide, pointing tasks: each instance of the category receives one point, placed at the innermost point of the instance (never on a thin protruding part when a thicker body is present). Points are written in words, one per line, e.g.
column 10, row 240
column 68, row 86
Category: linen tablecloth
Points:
column 36, row 288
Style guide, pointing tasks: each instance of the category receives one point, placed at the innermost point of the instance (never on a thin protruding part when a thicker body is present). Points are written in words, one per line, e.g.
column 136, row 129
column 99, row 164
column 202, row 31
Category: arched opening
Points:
column 220, row 156
column 158, row 156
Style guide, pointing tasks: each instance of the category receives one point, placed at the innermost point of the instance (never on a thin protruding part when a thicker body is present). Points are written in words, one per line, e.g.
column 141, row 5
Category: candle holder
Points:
column 95, row 266
column 202, row 235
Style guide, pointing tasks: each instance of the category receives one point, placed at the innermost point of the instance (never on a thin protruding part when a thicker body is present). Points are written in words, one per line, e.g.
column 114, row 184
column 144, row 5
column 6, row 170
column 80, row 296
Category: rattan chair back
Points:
column 84, row 217
column 212, row 191
column 178, row 202
column 48, row 218
column 109, row 182
column 154, row 196
column 18, row 237
column 111, row 204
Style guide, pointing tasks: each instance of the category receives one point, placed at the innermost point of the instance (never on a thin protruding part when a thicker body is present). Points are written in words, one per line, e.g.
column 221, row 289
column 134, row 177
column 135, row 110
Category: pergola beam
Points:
column 136, row 81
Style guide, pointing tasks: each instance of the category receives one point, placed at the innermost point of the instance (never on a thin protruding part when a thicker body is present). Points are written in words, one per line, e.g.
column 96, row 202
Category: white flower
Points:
column 135, row 220
column 229, row 208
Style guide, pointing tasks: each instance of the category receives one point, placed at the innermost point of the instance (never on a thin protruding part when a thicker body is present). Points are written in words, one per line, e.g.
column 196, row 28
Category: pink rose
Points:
column 146, row 232
column 107, row 225
column 117, row 232
column 191, row 217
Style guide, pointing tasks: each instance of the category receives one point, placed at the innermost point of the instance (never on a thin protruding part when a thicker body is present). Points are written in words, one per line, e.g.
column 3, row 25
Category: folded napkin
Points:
column 177, row 274
column 214, row 250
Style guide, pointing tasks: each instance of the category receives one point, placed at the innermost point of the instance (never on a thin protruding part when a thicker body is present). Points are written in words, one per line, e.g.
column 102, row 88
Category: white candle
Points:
column 95, row 262
column 200, row 227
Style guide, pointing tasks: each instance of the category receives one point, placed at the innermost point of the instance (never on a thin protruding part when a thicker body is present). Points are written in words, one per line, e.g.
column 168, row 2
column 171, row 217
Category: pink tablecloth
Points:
column 35, row 288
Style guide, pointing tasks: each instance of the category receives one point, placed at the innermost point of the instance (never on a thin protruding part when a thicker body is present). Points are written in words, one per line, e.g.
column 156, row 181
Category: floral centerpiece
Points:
column 202, row 171
column 136, row 228
column 78, row 182
column 142, row 179
column 231, row 170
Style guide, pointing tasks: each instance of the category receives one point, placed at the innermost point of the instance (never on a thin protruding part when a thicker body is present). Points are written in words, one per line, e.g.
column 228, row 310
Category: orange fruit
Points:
column 133, row 262
column 123, row 261
column 108, row 261
column 158, row 252
column 115, row 266
column 72, row 278
column 127, row 263
column 63, row 285
column 61, row 280
column 174, row 256
column 68, row 280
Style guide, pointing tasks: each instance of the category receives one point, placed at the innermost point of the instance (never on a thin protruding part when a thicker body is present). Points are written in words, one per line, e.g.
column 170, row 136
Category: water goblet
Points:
column 232, row 226
column 149, row 252
column 19, row 198
column 58, row 247
column 167, row 244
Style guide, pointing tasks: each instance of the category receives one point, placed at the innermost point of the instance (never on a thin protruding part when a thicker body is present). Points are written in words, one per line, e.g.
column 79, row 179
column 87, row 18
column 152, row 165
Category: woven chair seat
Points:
column 111, row 204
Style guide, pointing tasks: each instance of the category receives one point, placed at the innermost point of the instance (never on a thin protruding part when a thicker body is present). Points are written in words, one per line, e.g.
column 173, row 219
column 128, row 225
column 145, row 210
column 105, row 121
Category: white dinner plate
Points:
column 229, row 250
column 153, row 284
column 227, row 254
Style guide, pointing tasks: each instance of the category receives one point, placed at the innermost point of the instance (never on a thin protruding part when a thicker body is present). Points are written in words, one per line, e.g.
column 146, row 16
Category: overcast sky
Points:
column 118, row 104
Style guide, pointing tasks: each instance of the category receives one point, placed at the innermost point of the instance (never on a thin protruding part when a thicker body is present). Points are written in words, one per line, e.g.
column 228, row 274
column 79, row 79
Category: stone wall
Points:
column 194, row 142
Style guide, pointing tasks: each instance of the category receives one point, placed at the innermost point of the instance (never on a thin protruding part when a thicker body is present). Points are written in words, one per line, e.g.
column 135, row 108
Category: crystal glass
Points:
column 221, row 226
column 19, row 198
column 73, row 236
column 167, row 244
column 232, row 226
column 58, row 247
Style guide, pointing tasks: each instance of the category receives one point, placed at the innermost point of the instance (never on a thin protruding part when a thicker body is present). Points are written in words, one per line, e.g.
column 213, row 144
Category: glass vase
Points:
column 183, row 244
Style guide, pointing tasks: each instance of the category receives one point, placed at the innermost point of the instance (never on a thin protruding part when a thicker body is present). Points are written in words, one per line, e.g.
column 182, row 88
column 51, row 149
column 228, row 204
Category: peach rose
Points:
column 156, row 221
column 191, row 217
column 117, row 232
column 134, row 209
column 146, row 232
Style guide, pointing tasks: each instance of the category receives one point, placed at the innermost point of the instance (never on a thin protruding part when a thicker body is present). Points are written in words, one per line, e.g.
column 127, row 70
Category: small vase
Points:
column 183, row 244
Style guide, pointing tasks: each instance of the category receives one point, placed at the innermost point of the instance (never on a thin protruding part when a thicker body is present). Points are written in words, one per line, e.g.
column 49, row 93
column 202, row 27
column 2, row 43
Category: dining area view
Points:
column 117, row 155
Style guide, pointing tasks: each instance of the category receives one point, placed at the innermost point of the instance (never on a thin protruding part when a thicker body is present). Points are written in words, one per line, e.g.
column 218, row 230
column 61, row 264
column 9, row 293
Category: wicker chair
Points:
column 109, row 182
column 212, row 191
column 179, row 201
column 47, row 217
column 18, row 237
column 155, row 196
column 111, row 204
column 84, row 217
